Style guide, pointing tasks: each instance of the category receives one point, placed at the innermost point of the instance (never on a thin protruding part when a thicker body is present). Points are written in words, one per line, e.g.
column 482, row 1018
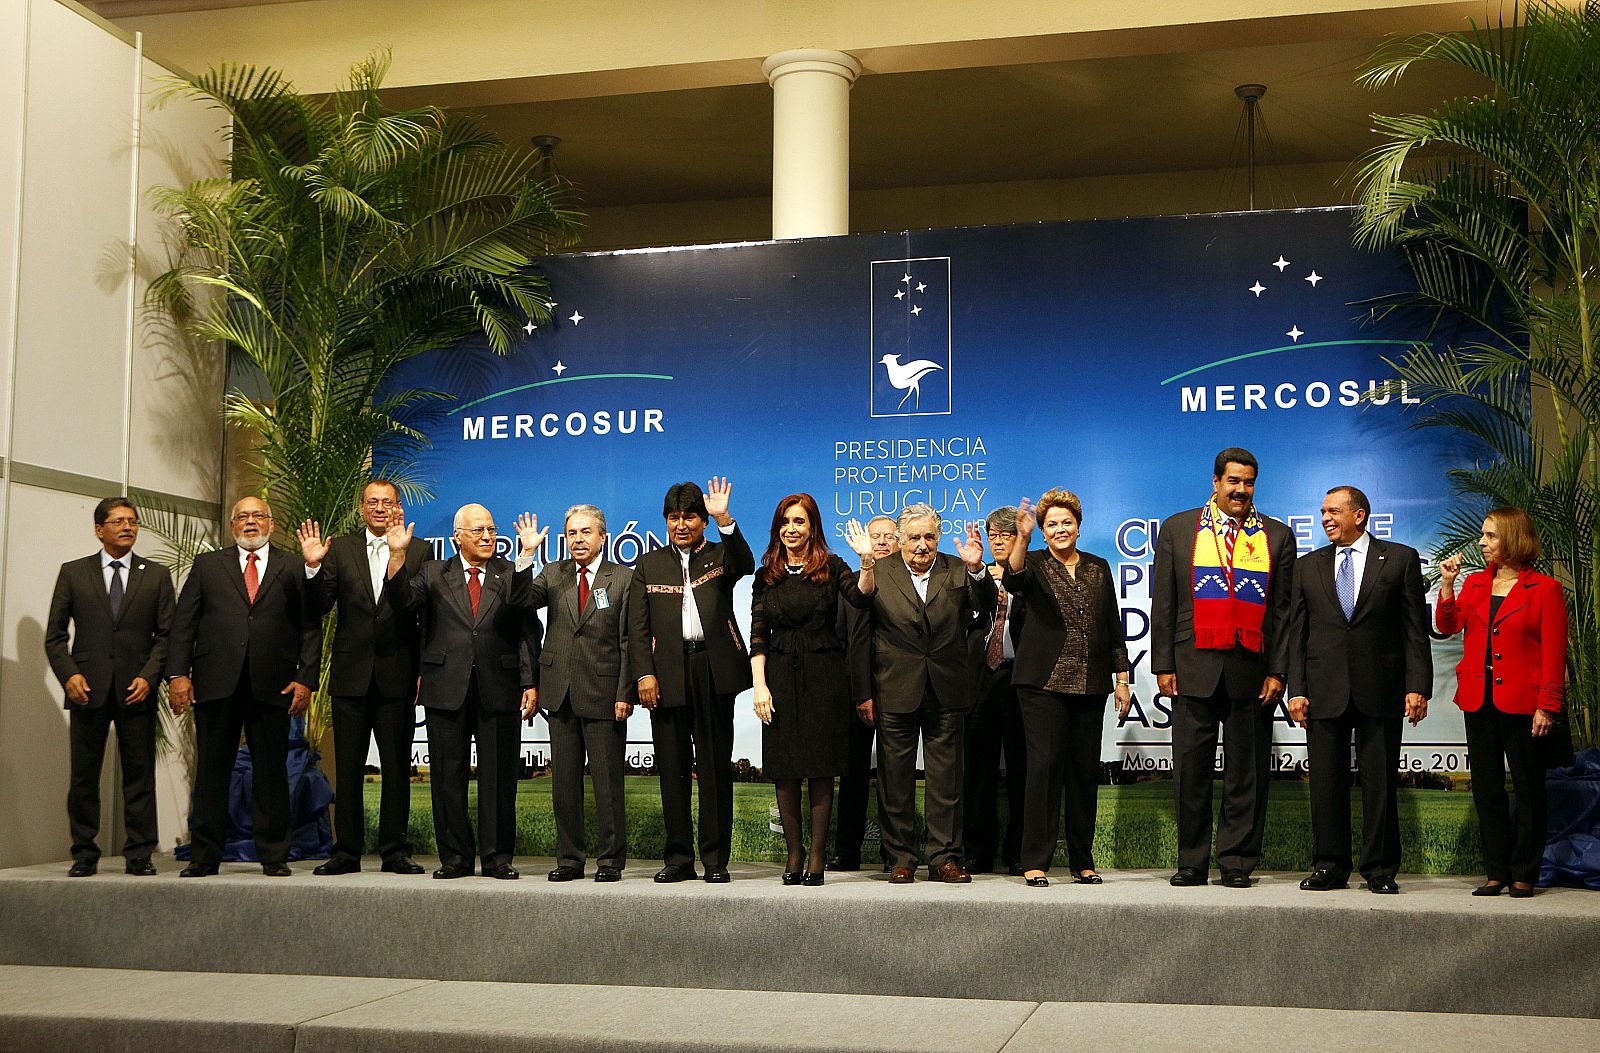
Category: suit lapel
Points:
column 131, row 581
column 94, row 574
column 455, row 586
column 231, row 568
column 1514, row 599
column 938, row 576
column 602, row 580
column 359, row 555
column 493, row 582
column 699, row 563
column 1377, row 556
column 271, row 574
column 900, row 577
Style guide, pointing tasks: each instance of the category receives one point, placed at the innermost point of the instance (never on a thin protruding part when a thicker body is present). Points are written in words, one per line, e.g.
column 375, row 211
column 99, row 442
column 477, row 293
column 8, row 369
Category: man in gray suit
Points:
column 924, row 604
column 585, row 691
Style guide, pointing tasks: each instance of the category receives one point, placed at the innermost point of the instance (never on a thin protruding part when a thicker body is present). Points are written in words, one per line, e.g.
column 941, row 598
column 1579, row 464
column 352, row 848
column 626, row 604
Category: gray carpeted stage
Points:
column 1432, row 949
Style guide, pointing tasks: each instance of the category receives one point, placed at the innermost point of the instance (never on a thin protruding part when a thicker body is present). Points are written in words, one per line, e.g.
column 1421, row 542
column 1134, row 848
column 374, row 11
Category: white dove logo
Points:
column 907, row 377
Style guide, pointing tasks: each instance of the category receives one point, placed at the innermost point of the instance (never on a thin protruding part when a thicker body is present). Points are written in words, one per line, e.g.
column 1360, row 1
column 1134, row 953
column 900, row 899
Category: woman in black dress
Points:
column 1072, row 652
column 798, row 661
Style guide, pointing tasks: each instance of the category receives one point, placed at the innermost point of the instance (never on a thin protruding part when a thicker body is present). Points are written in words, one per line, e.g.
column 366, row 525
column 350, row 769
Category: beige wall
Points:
column 98, row 399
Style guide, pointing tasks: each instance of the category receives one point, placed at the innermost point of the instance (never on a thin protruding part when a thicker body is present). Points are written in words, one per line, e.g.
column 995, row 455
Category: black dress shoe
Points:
column 1383, row 886
column 675, row 872
column 1490, row 888
column 276, row 870
column 1324, row 879
column 338, row 866
column 501, row 871
column 1015, row 870
column 197, row 870
column 139, row 868
column 1188, row 877
column 449, row 873
column 793, row 877
column 84, row 868
column 717, row 875
column 605, row 873
column 565, row 873
column 842, row 863
column 1234, row 879
column 811, row 878
column 1522, row 891
column 402, row 865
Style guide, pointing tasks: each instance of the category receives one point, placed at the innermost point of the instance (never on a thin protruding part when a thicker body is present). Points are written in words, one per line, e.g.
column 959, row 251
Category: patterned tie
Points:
column 474, row 588
column 252, row 577
column 1230, row 537
column 1344, row 582
column 997, row 635
column 583, row 588
column 115, row 594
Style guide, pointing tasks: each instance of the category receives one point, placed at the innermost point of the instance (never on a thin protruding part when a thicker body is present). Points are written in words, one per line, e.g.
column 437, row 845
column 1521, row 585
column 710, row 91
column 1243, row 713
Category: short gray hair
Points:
column 585, row 510
column 914, row 512
column 1002, row 520
column 884, row 519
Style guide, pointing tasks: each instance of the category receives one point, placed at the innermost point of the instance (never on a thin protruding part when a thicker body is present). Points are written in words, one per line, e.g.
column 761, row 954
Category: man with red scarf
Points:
column 1219, row 613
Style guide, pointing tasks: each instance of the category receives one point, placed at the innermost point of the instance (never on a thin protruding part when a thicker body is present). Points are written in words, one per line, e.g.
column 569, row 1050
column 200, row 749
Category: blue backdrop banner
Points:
column 966, row 369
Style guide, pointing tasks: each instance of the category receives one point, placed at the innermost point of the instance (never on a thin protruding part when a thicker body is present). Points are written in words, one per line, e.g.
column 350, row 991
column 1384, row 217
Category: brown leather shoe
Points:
column 902, row 876
column 952, row 873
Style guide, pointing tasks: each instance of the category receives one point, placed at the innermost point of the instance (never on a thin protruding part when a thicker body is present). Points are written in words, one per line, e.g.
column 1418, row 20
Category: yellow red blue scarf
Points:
column 1230, row 596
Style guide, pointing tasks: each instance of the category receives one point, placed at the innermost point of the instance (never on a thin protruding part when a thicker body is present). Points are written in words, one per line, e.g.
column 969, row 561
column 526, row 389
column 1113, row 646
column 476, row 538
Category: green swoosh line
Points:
column 560, row 380
column 1275, row 350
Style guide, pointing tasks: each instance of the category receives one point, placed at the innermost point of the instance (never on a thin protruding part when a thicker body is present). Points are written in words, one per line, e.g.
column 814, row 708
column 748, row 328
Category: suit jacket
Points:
column 219, row 636
column 1530, row 642
column 1376, row 657
column 500, row 643
column 921, row 646
column 110, row 653
column 1043, row 632
column 655, row 612
column 584, row 661
column 372, row 640
column 1172, row 648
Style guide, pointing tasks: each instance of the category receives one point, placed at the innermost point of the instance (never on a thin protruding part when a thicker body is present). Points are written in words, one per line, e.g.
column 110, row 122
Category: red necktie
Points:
column 1232, row 539
column 252, row 577
column 474, row 588
column 583, row 588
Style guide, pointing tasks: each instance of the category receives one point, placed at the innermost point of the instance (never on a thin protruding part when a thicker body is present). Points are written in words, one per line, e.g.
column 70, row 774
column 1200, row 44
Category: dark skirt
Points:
column 809, row 736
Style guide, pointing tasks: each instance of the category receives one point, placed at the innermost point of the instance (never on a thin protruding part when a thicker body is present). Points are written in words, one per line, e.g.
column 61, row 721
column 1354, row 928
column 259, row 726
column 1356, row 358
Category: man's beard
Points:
column 252, row 544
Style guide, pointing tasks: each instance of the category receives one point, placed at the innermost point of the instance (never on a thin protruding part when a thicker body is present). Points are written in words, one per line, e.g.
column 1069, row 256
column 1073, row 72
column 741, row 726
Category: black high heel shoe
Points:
column 1521, row 891
column 793, row 877
column 811, row 877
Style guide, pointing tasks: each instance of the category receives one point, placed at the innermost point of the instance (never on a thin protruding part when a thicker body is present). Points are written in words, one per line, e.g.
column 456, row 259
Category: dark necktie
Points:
column 474, row 588
column 583, row 588
column 252, row 577
column 115, row 594
column 997, row 635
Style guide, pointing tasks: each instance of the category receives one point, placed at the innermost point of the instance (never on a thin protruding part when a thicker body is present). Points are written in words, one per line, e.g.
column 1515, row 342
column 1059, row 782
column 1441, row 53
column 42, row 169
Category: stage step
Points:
column 46, row 1009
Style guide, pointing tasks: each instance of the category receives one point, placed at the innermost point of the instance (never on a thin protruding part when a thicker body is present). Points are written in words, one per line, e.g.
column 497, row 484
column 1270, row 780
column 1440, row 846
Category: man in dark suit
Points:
column 691, row 663
column 246, row 653
column 924, row 605
column 585, row 690
column 1360, row 662
column 1220, row 650
column 119, row 607
column 372, row 680
column 479, row 653
column 994, row 728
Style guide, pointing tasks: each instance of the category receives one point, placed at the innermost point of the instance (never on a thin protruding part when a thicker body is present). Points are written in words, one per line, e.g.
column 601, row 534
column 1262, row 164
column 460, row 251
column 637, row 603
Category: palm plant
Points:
column 1495, row 200
column 346, row 238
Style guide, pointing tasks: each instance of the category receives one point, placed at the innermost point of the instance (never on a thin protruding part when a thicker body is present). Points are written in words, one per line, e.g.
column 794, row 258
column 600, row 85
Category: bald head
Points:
column 474, row 534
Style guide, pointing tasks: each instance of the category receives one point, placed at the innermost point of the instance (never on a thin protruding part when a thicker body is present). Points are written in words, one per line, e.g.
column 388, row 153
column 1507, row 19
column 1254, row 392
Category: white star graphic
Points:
column 558, row 368
column 899, row 294
column 906, row 279
column 1280, row 263
column 1313, row 278
column 576, row 317
column 1294, row 333
column 916, row 310
column 1258, row 289
column 529, row 327
column 922, row 287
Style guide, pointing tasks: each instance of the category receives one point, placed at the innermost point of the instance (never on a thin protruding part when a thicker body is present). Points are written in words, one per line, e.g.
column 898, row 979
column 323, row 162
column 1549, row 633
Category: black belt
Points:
column 693, row 646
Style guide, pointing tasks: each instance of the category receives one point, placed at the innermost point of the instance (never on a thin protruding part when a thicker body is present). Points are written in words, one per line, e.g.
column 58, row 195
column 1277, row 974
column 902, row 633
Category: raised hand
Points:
column 399, row 537
column 855, row 535
column 717, row 491
column 1025, row 520
column 312, row 547
column 1449, row 570
column 529, row 534
column 971, row 548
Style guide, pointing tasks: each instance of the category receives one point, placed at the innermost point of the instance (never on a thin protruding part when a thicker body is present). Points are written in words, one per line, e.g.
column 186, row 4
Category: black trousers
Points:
column 855, row 790
column 1378, row 758
column 943, row 757
column 695, row 741
column 1246, row 743
column 994, row 729
column 1063, row 763
column 1497, row 741
column 450, row 736
column 356, row 720
column 136, row 746
column 605, row 743
column 217, row 724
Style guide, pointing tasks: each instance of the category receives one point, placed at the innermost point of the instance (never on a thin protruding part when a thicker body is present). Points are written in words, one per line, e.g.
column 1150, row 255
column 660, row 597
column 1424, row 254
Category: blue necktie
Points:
column 1345, row 582
column 115, row 593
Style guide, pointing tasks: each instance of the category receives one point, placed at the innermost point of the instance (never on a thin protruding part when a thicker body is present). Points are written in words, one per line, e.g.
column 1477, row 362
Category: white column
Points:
column 810, row 141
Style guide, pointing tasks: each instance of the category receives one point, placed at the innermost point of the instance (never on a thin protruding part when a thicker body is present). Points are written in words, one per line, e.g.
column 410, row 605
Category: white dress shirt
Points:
column 261, row 561
column 1358, row 557
column 105, row 568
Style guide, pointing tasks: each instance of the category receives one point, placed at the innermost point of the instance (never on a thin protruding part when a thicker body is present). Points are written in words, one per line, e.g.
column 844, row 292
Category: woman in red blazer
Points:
column 1509, row 684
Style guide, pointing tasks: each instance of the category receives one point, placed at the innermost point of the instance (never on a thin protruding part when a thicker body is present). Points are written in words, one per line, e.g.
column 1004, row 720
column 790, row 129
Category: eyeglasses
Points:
column 997, row 534
column 121, row 521
column 251, row 517
column 478, row 531
column 381, row 502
